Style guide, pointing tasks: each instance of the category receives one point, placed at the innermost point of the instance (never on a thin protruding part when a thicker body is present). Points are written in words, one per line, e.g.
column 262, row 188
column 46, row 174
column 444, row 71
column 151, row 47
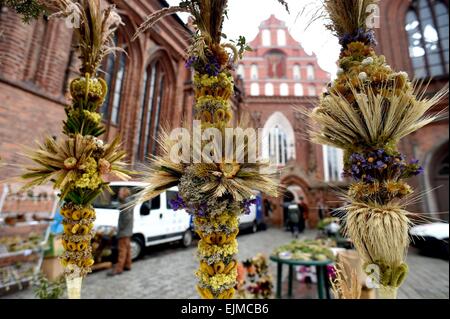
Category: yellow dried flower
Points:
column 90, row 178
column 230, row 170
column 70, row 163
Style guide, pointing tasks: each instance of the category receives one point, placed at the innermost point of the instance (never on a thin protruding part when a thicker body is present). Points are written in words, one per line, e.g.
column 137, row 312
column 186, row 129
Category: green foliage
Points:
column 28, row 9
column 78, row 122
column 84, row 197
column 242, row 46
column 45, row 289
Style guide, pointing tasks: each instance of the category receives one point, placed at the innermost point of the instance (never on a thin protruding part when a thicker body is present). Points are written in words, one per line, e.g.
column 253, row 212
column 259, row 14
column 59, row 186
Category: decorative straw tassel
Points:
column 216, row 250
column 80, row 163
column 214, row 190
column 365, row 112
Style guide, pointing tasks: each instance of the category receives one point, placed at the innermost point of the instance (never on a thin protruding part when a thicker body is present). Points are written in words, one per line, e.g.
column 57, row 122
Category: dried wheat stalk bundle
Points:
column 365, row 112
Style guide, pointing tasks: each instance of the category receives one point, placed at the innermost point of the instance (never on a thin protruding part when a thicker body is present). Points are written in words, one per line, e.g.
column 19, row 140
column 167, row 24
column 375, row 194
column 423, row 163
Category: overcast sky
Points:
column 245, row 17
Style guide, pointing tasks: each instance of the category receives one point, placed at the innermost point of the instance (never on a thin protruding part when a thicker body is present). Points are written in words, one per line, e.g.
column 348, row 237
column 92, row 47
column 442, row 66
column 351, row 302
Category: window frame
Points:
column 111, row 69
column 329, row 165
column 414, row 7
column 155, row 97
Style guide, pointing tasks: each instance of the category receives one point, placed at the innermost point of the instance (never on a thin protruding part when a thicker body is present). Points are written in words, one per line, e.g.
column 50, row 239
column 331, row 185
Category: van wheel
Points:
column 254, row 227
column 137, row 247
column 186, row 241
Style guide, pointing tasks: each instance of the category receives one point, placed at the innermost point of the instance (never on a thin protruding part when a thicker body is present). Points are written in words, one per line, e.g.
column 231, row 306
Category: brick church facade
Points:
column 414, row 37
column 150, row 86
column 278, row 77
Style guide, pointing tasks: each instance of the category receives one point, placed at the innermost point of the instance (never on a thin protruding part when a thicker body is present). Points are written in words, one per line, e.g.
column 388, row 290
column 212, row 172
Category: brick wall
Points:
column 36, row 66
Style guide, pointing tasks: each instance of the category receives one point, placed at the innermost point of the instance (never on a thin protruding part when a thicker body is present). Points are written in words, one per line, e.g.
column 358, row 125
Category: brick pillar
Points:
column 14, row 44
column 54, row 57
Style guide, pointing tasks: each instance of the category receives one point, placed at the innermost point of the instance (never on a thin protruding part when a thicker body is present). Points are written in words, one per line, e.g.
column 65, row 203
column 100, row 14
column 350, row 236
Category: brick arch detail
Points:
column 134, row 65
column 393, row 14
column 163, row 57
column 294, row 180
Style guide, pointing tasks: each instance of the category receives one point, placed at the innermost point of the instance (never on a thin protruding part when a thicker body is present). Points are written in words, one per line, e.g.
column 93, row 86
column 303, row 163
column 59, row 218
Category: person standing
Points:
column 124, row 233
column 303, row 214
column 294, row 219
column 321, row 209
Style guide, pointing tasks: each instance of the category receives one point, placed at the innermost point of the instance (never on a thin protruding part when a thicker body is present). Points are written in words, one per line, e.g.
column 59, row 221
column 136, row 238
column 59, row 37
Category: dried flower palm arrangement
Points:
column 79, row 163
column 214, row 190
column 365, row 112
column 346, row 284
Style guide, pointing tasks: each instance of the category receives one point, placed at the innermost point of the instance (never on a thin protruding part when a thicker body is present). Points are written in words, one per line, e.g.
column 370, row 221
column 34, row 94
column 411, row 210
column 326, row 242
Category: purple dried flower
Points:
column 380, row 165
column 191, row 61
column 246, row 205
column 361, row 35
column 419, row 171
column 201, row 211
column 177, row 203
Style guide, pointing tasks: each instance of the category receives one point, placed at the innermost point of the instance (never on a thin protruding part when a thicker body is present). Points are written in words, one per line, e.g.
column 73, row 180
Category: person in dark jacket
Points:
column 303, row 214
column 124, row 233
column 294, row 218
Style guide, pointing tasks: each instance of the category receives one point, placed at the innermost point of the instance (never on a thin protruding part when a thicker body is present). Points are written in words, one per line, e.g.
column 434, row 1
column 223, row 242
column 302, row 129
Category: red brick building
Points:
column 279, row 75
column 148, row 86
column 414, row 37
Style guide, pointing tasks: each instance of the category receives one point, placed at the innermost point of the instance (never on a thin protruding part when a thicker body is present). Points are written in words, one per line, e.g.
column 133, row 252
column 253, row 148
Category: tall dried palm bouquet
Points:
column 366, row 111
column 79, row 163
column 214, row 188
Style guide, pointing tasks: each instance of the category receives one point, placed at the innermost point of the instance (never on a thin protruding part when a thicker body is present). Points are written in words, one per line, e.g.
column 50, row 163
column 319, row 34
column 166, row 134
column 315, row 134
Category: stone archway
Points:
column 300, row 188
column 438, row 175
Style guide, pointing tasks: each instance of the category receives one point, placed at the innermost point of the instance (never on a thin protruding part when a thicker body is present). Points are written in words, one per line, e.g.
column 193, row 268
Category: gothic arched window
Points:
column 278, row 146
column 254, row 72
column 241, row 70
column 426, row 24
column 266, row 38
column 333, row 163
column 281, row 35
column 278, row 143
column 297, row 72
column 284, row 89
column 254, row 89
column 298, row 89
column 155, row 88
column 310, row 74
column 115, row 71
column 269, row 89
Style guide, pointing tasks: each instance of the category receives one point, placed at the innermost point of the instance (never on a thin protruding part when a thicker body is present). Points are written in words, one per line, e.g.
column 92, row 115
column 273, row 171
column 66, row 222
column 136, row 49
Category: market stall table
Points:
column 321, row 271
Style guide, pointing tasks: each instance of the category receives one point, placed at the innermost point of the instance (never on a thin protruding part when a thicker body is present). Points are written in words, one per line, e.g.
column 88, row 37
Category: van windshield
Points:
column 110, row 200
column 171, row 196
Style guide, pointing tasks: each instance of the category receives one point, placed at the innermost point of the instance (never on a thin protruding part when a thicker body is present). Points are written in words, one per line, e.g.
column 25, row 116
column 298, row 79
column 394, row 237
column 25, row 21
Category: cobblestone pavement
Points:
column 167, row 271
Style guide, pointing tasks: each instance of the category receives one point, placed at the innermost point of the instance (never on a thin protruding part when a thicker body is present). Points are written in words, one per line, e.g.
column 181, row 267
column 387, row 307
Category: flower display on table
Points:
column 365, row 112
column 306, row 250
column 326, row 222
column 256, row 281
column 214, row 190
column 79, row 164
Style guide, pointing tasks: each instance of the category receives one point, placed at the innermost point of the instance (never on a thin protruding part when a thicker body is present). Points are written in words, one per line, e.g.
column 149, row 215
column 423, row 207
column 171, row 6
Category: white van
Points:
column 248, row 221
column 155, row 222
